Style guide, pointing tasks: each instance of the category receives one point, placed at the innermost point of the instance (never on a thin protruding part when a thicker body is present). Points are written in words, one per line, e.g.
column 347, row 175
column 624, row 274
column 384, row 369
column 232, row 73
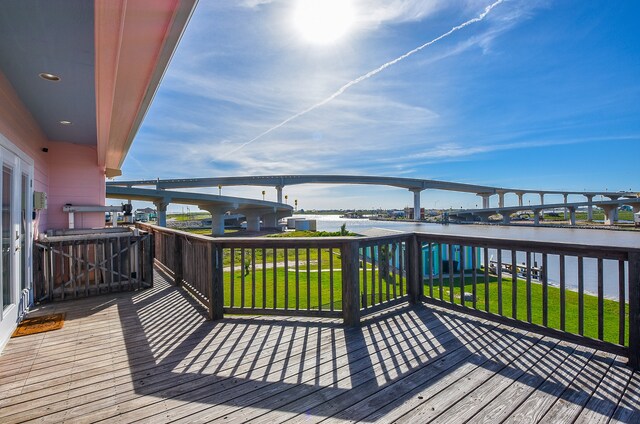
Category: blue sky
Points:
column 539, row 94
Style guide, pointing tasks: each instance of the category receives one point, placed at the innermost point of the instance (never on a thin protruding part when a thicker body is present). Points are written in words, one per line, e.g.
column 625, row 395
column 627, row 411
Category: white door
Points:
column 15, row 222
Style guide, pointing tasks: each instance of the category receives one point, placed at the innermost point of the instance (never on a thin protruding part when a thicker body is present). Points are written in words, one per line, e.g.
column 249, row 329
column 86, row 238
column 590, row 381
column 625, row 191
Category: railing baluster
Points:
column 440, row 270
column 380, row 268
column 514, row 284
column 177, row 262
column 387, row 265
column 275, row 278
column 127, row 260
column 253, row 277
column 319, row 279
column 622, row 317
column 430, row 269
column 563, row 286
column 393, row 269
column 580, row 295
column 264, row 278
column 308, row 280
column 600, row 299
column 297, row 259
column 545, row 290
column 232, row 275
column 462, row 285
column 474, row 276
column 451, row 288
column 373, row 275
column 331, row 297
column 528, row 264
column 243, row 272
column 499, row 275
column 286, row 278
column 401, row 258
column 86, row 268
column 110, row 263
column 486, row 278
column 365, row 283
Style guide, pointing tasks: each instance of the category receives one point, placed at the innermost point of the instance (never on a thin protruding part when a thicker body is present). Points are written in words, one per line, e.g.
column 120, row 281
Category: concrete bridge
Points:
column 253, row 210
column 414, row 185
column 610, row 208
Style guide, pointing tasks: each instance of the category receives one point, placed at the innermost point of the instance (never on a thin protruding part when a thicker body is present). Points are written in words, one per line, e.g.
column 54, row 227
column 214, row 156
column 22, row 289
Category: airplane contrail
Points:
column 368, row 75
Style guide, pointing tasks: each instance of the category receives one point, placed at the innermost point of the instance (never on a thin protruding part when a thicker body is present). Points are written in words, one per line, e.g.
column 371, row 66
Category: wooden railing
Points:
column 84, row 265
column 565, row 294
column 330, row 277
column 527, row 284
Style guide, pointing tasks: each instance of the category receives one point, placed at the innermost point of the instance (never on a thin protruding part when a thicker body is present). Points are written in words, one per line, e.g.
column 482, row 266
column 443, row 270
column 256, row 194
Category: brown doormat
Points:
column 41, row 324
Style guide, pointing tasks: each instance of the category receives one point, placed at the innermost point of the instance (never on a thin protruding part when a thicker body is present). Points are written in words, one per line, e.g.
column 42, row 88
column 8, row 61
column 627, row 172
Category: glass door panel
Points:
column 7, row 257
column 24, row 230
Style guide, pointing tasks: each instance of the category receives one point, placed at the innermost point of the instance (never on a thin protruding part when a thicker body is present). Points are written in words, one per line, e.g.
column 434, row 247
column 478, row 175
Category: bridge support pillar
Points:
column 269, row 220
column 253, row 221
column 501, row 199
column 616, row 209
column 217, row 224
column 520, row 198
column 536, row 216
column 589, row 207
column 572, row 215
column 416, row 202
column 485, row 200
column 279, row 191
column 610, row 214
column 566, row 210
column 161, row 207
column 542, row 198
column 506, row 218
column 217, row 220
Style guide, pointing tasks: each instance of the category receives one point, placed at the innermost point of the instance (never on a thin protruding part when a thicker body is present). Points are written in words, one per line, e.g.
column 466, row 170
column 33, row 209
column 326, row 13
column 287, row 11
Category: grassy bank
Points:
column 310, row 288
column 610, row 309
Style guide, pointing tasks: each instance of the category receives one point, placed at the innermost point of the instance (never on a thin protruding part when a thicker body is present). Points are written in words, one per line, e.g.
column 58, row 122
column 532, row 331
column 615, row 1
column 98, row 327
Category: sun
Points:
column 323, row 21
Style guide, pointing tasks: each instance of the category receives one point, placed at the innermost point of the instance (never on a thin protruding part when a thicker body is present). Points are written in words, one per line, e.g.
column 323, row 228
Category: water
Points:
column 592, row 237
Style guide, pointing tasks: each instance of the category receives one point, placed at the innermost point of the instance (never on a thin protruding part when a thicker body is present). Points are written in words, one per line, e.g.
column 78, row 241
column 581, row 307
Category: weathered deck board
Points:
column 497, row 410
column 151, row 356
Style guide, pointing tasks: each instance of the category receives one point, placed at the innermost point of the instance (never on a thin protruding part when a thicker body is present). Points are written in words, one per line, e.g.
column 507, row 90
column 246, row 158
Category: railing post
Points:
column 38, row 271
column 149, row 254
column 216, row 289
column 177, row 260
column 414, row 274
column 350, row 255
column 634, row 310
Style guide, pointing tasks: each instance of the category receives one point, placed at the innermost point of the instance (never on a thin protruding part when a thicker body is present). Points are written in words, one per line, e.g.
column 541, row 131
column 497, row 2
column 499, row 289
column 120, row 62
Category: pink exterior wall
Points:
column 74, row 177
column 19, row 127
column 68, row 173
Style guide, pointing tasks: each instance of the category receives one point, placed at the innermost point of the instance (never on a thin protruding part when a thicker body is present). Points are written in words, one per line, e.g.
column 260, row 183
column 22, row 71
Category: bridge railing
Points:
column 564, row 290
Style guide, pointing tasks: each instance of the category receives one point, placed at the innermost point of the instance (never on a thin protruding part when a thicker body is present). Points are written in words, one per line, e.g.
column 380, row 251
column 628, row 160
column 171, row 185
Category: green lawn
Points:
column 309, row 297
column 305, row 288
column 611, row 313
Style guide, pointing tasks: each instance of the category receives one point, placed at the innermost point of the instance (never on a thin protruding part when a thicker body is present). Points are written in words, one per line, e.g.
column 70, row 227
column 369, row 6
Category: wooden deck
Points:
column 151, row 356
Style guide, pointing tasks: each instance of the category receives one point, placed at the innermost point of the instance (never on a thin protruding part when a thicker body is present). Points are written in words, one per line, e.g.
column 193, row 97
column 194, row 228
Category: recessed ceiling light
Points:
column 65, row 122
column 49, row 77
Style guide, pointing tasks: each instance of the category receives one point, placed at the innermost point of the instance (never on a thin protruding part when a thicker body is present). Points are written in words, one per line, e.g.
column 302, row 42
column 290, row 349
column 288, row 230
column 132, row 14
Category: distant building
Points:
column 409, row 213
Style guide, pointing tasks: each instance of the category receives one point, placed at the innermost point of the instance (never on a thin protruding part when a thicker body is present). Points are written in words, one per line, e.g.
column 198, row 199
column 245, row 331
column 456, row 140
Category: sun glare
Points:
column 323, row 21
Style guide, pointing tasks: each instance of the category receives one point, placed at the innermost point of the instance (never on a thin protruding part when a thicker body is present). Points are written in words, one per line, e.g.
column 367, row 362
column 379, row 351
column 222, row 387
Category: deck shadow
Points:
column 185, row 366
